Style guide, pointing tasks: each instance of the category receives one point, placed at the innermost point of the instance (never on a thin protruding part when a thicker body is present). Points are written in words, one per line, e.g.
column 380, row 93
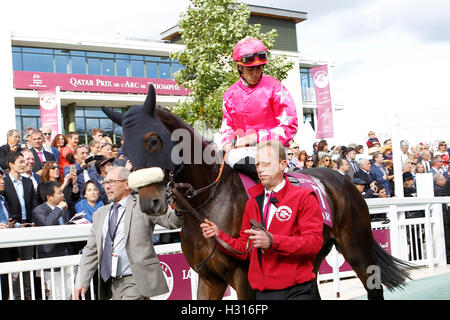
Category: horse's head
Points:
column 148, row 145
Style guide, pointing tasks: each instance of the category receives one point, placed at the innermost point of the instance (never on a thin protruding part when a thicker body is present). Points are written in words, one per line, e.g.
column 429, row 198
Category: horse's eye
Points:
column 152, row 142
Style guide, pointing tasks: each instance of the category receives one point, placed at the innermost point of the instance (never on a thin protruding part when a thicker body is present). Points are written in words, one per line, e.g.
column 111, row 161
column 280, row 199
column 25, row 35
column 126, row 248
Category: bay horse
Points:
column 148, row 131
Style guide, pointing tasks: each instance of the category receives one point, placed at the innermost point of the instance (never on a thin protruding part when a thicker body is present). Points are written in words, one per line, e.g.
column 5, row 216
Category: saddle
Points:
column 302, row 180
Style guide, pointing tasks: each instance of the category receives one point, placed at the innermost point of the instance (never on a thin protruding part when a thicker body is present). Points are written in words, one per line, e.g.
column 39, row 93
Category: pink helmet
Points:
column 250, row 52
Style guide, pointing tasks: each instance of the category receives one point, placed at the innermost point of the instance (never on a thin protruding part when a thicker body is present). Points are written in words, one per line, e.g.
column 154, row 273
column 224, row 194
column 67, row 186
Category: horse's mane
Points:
column 172, row 121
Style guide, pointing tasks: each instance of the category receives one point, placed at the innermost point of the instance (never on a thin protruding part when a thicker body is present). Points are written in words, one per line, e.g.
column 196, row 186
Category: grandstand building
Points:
column 115, row 72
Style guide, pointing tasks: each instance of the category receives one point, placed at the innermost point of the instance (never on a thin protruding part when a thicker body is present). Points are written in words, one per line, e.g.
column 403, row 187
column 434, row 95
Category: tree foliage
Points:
column 210, row 29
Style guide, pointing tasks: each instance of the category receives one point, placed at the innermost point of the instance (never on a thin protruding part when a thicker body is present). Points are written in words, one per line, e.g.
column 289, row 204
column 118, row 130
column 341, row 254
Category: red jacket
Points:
column 297, row 238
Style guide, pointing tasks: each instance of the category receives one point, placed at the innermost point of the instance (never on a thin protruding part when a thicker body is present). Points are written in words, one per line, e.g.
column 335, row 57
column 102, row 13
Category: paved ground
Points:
column 423, row 286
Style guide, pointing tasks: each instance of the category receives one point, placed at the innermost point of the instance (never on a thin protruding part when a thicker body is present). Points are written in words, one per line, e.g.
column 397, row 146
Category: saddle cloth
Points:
column 303, row 181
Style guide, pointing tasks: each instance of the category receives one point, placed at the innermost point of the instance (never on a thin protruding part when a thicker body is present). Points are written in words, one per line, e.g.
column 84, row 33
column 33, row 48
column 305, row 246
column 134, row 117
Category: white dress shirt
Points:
column 18, row 185
column 123, row 267
column 272, row 208
column 32, row 178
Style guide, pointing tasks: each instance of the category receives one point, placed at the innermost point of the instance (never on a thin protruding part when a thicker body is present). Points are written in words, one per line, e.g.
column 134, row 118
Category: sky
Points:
column 390, row 59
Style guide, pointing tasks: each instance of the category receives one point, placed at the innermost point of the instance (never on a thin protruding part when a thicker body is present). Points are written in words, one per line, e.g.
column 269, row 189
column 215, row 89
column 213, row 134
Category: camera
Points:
column 18, row 147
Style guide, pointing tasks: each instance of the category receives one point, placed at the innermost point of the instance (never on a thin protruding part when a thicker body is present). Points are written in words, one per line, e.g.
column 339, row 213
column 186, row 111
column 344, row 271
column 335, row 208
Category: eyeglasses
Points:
column 112, row 182
column 47, row 133
column 55, row 167
column 309, row 160
column 327, row 160
column 290, row 154
column 249, row 58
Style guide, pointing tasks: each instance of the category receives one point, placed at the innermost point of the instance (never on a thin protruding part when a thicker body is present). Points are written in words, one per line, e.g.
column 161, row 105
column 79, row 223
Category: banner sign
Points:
column 92, row 83
column 50, row 107
column 382, row 236
column 325, row 127
column 178, row 276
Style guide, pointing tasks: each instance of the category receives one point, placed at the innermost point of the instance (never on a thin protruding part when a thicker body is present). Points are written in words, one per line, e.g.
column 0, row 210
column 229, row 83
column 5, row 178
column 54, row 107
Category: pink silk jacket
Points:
column 266, row 109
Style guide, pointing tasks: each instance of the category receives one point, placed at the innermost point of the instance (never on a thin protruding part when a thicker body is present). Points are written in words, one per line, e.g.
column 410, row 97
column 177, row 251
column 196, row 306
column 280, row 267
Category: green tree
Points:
column 210, row 29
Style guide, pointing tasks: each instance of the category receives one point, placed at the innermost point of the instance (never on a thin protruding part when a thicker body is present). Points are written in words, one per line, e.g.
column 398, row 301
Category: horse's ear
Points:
column 113, row 115
column 150, row 101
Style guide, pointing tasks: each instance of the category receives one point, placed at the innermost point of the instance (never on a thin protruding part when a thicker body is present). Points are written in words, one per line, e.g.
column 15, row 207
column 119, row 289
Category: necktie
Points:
column 105, row 268
column 3, row 217
column 355, row 166
column 40, row 156
column 267, row 208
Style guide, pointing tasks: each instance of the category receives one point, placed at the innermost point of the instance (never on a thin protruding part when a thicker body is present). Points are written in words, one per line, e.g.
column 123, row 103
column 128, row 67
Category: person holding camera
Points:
column 12, row 145
column 82, row 167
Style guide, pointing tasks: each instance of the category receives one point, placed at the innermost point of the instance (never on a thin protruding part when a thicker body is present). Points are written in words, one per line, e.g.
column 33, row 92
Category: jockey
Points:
column 256, row 107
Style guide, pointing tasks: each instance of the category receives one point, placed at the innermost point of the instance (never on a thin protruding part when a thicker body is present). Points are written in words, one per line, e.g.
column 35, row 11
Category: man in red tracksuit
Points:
column 281, row 263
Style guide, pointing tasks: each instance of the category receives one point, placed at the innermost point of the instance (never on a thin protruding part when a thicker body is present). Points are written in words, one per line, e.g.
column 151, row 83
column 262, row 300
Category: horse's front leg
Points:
column 210, row 289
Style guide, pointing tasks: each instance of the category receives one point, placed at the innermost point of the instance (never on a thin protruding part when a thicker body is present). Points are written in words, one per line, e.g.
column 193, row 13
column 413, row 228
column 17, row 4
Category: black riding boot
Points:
column 247, row 167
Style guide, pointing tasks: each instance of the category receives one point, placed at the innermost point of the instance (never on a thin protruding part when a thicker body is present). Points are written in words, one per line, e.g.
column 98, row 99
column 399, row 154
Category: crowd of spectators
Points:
column 370, row 167
column 57, row 181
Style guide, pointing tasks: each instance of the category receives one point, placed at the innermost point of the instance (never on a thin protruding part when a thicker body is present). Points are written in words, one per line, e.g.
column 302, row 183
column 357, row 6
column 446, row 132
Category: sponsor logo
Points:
column 48, row 101
column 321, row 79
column 283, row 213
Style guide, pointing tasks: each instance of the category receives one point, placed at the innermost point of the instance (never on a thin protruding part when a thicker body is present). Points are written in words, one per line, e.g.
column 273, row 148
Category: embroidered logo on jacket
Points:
column 283, row 213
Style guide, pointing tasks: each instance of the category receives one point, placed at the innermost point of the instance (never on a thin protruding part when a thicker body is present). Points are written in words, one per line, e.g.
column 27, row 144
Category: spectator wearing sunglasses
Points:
column 437, row 166
column 291, row 163
column 47, row 143
column 443, row 152
column 309, row 162
column 326, row 162
column 257, row 107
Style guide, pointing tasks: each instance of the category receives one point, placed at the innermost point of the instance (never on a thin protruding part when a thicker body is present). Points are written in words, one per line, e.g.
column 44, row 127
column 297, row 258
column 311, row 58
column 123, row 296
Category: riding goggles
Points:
column 249, row 58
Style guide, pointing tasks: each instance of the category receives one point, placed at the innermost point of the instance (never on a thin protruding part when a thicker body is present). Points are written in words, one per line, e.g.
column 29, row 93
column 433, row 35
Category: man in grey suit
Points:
column 354, row 167
column 120, row 246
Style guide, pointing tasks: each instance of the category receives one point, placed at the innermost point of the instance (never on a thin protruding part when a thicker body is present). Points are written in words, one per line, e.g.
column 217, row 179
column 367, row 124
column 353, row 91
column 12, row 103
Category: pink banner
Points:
column 91, row 83
column 324, row 128
column 178, row 276
column 50, row 107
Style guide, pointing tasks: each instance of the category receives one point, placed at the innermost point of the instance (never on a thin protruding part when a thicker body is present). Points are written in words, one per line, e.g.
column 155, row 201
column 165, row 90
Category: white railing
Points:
column 19, row 237
column 419, row 240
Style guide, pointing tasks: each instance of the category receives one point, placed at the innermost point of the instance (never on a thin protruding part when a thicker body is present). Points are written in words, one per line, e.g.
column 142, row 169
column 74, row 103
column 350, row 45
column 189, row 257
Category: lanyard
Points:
column 113, row 236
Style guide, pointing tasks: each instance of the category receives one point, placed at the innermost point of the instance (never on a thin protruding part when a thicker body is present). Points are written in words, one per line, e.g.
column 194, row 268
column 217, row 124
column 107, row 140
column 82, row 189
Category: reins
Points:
column 190, row 193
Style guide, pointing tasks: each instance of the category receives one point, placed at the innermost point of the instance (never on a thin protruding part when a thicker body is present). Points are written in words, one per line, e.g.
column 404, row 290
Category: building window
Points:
column 87, row 118
column 95, row 63
column 78, row 65
column 29, row 116
column 308, row 94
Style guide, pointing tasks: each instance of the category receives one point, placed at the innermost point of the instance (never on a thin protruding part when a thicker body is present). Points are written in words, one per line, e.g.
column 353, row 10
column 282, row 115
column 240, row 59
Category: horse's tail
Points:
column 394, row 271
